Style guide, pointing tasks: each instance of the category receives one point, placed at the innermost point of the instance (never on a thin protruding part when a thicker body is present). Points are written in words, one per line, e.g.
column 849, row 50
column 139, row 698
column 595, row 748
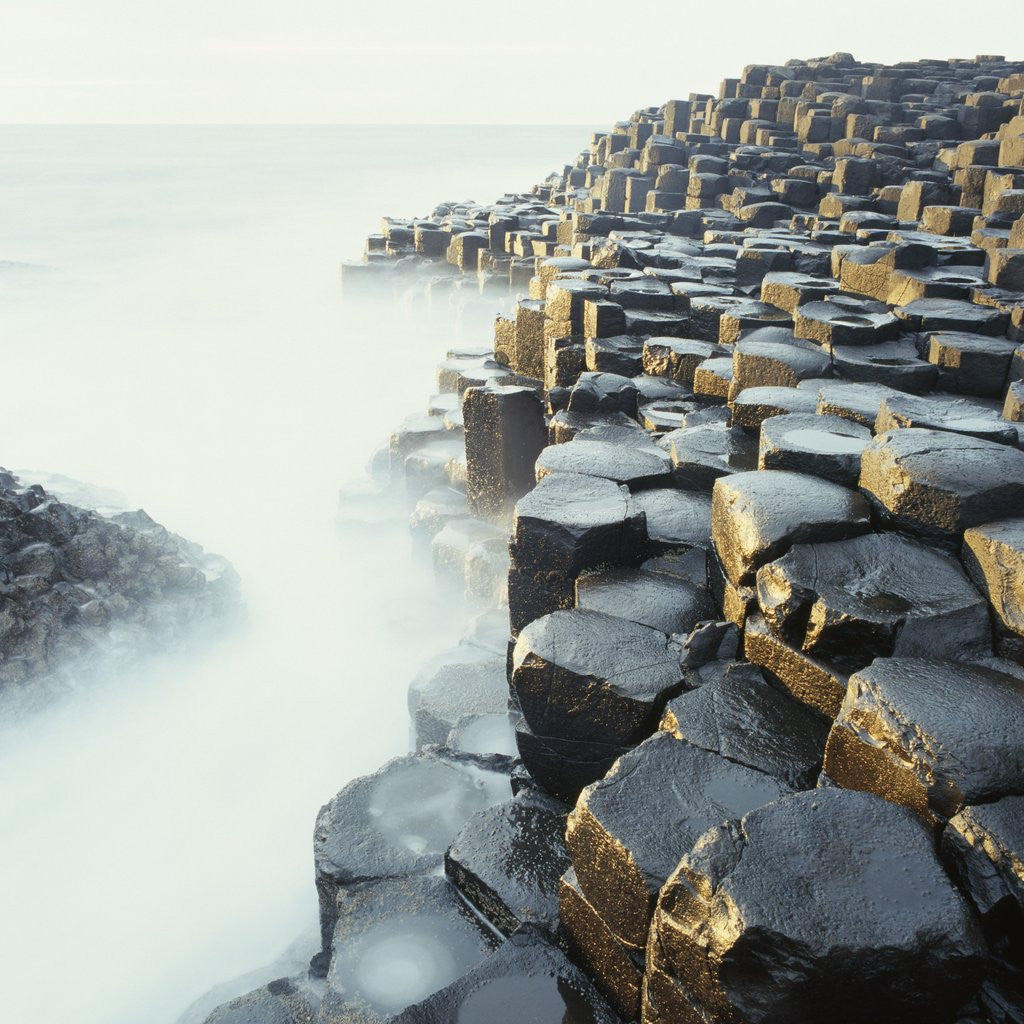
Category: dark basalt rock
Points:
column 994, row 556
column 678, row 358
column 893, row 363
column 927, row 316
column 564, row 766
column 935, row 484
column 856, row 402
column 526, row 980
column 756, row 516
column 880, row 595
column 934, row 735
column 958, row 415
column 738, row 715
column 566, row 524
column 621, row 856
column 507, row 861
column 604, row 393
column 617, row 970
column 752, row 406
column 70, row 577
column 824, row 906
column 845, row 320
column 676, row 519
column 395, row 943
column 825, row 446
column 396, row 822
column 280, row 1002
column 810, row 680
column 971, row 363
column 760, row 361
column 662, row 600
column 644, row 465
column 700, row 455
column 585, row 676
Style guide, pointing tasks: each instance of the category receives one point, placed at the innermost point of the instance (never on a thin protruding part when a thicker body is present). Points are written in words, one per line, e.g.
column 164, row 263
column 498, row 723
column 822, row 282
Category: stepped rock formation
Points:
column 739, row 488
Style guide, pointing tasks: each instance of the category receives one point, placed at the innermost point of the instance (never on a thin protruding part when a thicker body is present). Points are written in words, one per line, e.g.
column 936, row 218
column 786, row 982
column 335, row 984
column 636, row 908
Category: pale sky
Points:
column 447, row 61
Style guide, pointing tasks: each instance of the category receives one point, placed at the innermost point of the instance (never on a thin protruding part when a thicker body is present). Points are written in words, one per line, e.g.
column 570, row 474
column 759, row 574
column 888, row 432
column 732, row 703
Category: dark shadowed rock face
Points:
column 586, row 676
column 70, row 576
column 737, row 714
column 507, row 861
column 622, row 854
column 566, row 524
column 525, row 982
column 396, row 822
column 395, row 943
column 934, row 735
column 824, row 906
column 879, row 595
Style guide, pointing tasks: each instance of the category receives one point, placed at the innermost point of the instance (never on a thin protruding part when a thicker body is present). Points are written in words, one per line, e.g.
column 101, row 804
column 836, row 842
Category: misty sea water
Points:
column 173, row 330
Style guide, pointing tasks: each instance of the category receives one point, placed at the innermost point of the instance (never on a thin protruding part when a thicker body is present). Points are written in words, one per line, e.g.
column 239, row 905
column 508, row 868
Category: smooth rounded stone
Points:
column 651, row 388
column 993, row 554
column 435, row 509
column 526, row 981
column 662, row 416
column 657, row 599
column 856, row 402
column 956, row 415
column 933, row 735
column 756, row 516
column 740, row 716
column 564, row 766
column 845, row 320
column 766, row 363
column 565, row 425
column 507, row 861
column 752, row 406
column 621, row 354
column 823, row 906
column 876, row 596
column 788, row 290
column 583, row 675
column 926, row 316
column 603, row 393
column 462, row 681
column 893, row 363
column 985, row 843
column 678, row 358
column 700, row 455
column 566, row 524
column 675, row 518
column 810, row 680
column 279, row 1002
column 395, row 943
column 642, row 465
column 396, row 822
column 970, row 363
column 490, row 733
column 936, row 484
column 616, row 969
column 824, row 446
column 628, row 830
column 452, row 545
column 713, row 377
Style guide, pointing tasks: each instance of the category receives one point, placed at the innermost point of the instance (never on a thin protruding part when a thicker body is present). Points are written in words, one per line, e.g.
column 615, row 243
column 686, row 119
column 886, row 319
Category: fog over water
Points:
column 173, row 330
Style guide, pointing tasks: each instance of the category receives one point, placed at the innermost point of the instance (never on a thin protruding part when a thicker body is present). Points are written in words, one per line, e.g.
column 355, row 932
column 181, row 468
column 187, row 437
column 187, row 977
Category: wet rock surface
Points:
column 754, row 438
column 826, row 905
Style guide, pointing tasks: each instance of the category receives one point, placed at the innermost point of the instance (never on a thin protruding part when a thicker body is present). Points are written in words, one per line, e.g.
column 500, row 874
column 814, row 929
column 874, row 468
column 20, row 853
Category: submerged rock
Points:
column 396, row 822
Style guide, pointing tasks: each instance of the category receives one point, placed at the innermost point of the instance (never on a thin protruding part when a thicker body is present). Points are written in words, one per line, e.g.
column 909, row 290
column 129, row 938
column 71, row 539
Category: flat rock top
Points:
column 633, row 659
column 662, row 795
column 574, row 500
column 963, row 720
column 831, row 868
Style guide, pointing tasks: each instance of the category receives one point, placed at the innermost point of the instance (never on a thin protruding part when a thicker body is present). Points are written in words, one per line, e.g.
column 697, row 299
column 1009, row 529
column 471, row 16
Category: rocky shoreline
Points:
column 90, row 587
column 738, row 492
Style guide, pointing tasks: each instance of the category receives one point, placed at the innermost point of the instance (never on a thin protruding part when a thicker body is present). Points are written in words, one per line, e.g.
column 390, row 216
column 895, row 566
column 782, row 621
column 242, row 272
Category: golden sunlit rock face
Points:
column 753, row 436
